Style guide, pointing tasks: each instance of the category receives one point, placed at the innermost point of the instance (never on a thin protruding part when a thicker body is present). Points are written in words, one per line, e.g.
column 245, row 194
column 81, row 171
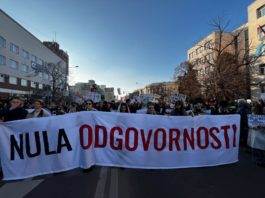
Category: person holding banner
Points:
column 15, row 111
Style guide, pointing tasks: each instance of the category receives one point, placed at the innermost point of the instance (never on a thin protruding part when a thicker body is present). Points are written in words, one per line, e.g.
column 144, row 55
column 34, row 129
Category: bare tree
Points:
column 227, row 73
column 57, row 74
column 189, row 84
column 181, row 70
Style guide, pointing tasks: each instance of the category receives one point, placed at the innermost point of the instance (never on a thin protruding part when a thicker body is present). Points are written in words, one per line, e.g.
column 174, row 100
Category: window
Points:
column 208, row 45
column 24, row 68
column 2, row 60
column 12, row 80
column 13, row 64
column 246, row 34
column 32, row 84
column 14, row 48
column 2, row 42
column 40, row 86
column 40, row 62
column 261, row 32
column 24, row 82
column 25, row 54
column 199, row 50
column 193, row 54
column 46, row 76
column 261, row 11
column 2, row 78
column 209, row 57
column 40, row 74
column 34, row 58
column 190, row 56
column 202, row 60
column 262, row 69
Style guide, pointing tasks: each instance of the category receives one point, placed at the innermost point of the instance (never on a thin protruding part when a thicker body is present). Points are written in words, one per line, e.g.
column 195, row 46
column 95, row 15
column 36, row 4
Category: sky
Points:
column 125, row 44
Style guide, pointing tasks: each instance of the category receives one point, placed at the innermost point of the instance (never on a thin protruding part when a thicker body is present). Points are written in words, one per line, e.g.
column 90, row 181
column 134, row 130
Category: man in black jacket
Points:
column 15, row 111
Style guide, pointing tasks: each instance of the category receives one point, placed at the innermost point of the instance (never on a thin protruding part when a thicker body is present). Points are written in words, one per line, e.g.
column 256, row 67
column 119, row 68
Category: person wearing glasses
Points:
column 89, row 106
column 15, row 111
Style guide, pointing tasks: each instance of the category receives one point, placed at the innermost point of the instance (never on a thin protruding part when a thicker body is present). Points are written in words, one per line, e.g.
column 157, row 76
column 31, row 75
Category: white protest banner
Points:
column 40, row 146
column 137, row 99
column 177, row 97
column 95, row 97
column 256, row 131
column 77, row 99
column 145, row 98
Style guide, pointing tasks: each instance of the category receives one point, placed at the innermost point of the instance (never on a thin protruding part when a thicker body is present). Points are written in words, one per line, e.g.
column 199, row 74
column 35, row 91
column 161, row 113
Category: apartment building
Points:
column 109, row 94
column 256, row 29
column 82, row 89
column 19, row 50
column 206, row 50
column 246, row 41
column 163, row 89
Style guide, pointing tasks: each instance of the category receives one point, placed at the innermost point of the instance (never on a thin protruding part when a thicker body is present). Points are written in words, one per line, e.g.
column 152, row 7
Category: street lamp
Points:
column 67, row 90
column 76, row 66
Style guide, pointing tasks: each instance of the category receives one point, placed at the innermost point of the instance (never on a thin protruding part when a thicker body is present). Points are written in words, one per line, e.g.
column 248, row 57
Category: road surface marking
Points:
column 18, row 189
column 101, row 185
column 114, row 183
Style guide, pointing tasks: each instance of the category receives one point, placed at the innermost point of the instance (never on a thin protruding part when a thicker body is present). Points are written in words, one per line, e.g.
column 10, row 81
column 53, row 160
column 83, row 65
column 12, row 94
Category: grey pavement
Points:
column 242, row 179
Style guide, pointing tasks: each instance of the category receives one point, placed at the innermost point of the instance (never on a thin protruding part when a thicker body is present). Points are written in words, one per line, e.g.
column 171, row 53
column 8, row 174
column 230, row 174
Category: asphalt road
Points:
column 242, row 179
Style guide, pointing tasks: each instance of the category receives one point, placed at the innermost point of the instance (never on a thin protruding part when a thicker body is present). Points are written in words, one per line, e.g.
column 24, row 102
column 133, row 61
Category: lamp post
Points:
column 67, row 92
column 76, row 66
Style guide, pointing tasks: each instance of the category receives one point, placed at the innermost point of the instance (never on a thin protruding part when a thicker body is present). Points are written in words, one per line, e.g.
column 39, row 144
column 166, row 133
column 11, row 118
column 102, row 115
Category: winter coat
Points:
column 15, row 114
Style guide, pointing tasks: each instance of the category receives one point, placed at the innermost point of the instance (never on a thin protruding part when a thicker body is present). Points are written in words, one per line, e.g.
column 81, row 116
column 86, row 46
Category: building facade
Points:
column 256, row 29
column 19, row 50
column 81, row 89
column 109, row 94
column 248, row 44
column 163, row 89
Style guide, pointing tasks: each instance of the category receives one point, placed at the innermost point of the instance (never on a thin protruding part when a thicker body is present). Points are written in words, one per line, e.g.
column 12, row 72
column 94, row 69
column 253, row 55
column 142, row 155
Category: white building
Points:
column 19, row 49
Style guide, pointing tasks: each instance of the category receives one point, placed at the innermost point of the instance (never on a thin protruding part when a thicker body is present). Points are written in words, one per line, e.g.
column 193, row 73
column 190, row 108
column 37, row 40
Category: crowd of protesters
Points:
column 17, row 109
